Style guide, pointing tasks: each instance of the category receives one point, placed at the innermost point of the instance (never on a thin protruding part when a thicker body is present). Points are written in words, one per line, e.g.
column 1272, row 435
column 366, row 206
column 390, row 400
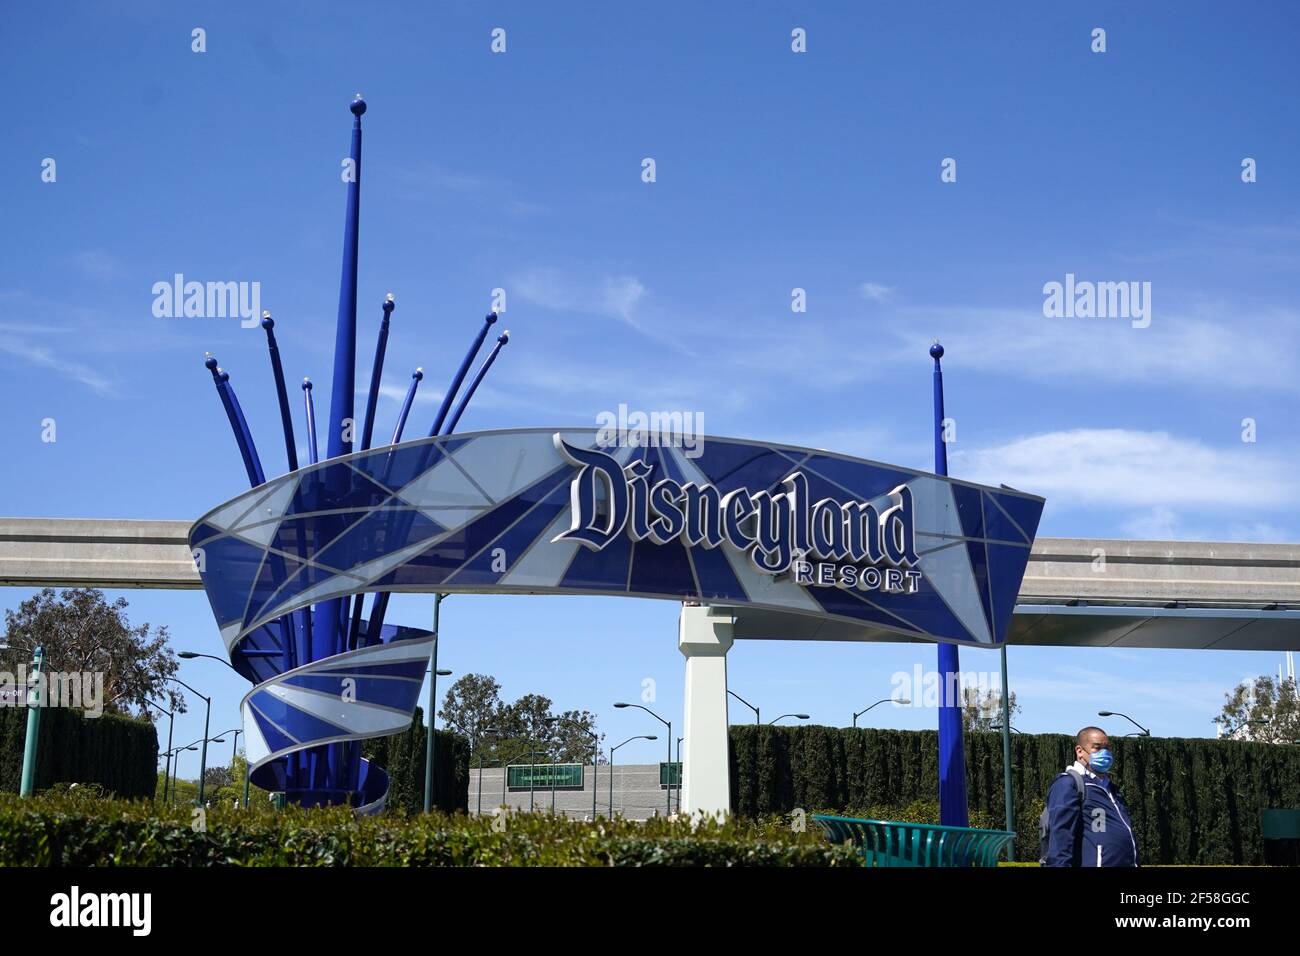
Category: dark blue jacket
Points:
column 1098, row 833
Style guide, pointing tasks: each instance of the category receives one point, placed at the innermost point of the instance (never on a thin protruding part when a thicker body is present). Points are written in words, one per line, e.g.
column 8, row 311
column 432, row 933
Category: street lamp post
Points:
column 901, row 703
column 757, row 719
column 32, row 741
column 190, row 655
column 430, row 766
column 595, row 758
column 668, row 791
column 234, row 747
column 433, row 690
column 681, row 776
column 784, row 716
column 174, row 758
column 1008, row 799
column 207, row 717
column 505, row 774
column 194, row 746
column 1014, row 728
column 611, row 765
column 171, row 723
column 1116, row 713
column 479, row 751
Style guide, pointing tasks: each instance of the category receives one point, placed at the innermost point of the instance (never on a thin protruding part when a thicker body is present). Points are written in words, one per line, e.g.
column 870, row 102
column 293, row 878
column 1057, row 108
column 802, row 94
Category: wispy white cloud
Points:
column 1162, row 523
column 98, row 264
column 431, row 181
column 620, row 297
column 397, row 393
column 611, row 296
column 41, row 356
column 1158, row 524
column 1088, row 685
column 875, row 292
column 1231, row 350
column 1139, row 469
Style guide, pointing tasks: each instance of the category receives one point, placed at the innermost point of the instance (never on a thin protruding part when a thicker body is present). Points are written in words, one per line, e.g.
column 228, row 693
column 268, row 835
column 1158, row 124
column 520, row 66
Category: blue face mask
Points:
column 1100, row 761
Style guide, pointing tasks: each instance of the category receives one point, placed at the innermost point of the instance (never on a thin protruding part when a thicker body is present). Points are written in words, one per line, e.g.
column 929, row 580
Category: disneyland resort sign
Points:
column 823, row 544
column 894, row 551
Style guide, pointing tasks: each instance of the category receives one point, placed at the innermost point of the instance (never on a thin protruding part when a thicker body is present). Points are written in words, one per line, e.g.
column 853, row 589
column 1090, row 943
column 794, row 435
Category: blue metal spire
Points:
column 243, row 438
column 502, row 339
column 459, row 377
column 332, row 771
column 416, row 377
column 277, row 370
column 953, row 810
column 330, row 630
column 377, row 373
column 313, row 455
column 345, row 334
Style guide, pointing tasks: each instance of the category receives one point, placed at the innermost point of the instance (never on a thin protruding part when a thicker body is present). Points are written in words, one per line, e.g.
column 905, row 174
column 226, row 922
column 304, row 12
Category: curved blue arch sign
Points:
column 546, row 511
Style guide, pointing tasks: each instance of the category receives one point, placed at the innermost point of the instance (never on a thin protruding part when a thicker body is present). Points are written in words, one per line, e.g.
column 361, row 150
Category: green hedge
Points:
column 1193, row 801
column 68, row 830
column 118, row 753
column 402, row 755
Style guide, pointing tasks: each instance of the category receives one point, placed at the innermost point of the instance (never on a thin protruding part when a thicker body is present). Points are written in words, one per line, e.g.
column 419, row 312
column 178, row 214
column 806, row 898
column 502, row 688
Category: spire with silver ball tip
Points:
column 953, row 811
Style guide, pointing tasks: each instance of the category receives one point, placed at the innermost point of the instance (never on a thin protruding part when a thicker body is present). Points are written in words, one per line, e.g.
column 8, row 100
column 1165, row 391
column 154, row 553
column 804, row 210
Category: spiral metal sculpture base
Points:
column 368, row 692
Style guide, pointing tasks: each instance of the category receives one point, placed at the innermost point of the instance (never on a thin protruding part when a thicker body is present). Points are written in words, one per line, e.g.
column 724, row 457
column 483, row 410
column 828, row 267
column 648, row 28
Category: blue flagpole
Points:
column 331, row 630
column 299, row 621
column 243, row 438
column 460, row 374
column 953, row 810
column 502, row 339
column 345, row 335
column 379, row 608
column 277, row 371
column 416, row 377
column 313, row 455
column 376, row 373
column 297, row 762
column 253, row 466
column 352, row 637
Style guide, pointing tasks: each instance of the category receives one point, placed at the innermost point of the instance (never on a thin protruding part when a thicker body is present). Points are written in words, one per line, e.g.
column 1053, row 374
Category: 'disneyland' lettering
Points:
column 772, row 528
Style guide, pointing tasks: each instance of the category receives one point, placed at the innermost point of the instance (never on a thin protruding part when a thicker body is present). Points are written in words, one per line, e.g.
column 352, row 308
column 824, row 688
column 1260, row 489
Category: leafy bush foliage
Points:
column 62, row 830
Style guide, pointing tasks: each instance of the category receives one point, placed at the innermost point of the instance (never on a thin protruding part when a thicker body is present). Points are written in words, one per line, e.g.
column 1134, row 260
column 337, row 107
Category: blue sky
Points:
column 775, row 170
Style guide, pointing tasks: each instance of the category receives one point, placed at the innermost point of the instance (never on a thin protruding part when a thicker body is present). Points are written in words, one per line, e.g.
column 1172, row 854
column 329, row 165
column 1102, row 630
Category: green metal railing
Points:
column 886, row 843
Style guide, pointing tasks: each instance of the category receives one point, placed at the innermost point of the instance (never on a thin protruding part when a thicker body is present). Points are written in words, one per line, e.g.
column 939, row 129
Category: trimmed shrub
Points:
column 66, row 830
column 402, row 755
column 118, row 753
column 1193, row 801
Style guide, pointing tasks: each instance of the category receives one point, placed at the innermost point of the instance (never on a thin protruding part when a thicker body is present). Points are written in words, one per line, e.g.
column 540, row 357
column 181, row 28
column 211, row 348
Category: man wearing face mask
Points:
column 1086, row 822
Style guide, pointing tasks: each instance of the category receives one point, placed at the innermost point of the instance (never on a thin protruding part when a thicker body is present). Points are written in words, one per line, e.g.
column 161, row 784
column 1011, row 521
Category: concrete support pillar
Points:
column 704, row 637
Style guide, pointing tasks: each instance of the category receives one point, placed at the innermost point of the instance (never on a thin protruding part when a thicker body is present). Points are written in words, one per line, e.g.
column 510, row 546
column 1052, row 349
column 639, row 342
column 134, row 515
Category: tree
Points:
column 981, row 710
column 1265, row 710
column 527, row 718
column 83, row 633
column 571, row 736
column 472, row 705
column 215, row 777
